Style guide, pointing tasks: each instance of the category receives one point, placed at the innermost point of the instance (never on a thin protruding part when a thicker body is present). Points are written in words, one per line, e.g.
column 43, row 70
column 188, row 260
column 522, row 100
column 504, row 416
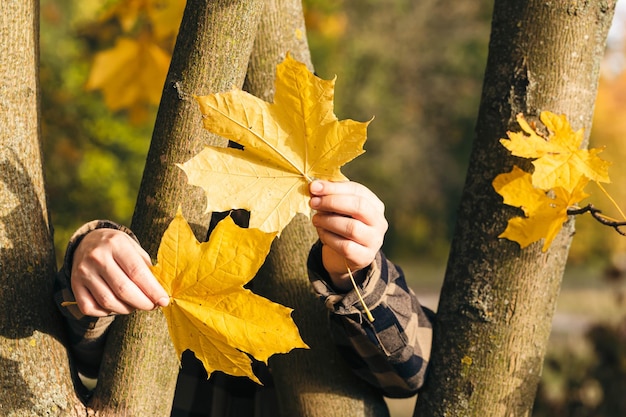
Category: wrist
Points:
column 342, row 283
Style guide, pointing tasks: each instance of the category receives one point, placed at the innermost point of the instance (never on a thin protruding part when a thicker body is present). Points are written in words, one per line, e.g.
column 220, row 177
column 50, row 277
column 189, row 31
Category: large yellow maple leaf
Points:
column 210, row 312
column 558, row 159
column 286, row 144
column 545, row 211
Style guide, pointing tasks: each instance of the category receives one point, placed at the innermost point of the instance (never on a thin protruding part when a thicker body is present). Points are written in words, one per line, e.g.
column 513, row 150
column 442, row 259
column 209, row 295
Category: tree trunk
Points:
column 34, row 372
column 211, row 55
column 497, row 300
column 313, row 382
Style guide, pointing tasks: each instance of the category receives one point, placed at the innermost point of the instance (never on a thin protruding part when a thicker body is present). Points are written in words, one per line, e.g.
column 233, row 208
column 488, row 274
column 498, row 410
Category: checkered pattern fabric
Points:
column 391, row 353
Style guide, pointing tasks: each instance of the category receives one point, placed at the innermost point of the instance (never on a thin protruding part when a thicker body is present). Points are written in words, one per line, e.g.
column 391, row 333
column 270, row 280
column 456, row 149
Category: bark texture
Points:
column 34, row 373
column 314, row 382
column 497, row 301
column 211, row 55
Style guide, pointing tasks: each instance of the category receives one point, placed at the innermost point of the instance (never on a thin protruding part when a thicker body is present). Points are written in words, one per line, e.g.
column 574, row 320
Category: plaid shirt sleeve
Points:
column 196, row 395
column 393, row 351
column 86, row 334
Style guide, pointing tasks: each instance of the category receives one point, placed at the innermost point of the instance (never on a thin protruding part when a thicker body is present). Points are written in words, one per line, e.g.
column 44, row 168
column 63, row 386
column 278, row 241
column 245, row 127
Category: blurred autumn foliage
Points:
column 131, row 72
column 609, row 131
column 95, row 144
column 416, row 67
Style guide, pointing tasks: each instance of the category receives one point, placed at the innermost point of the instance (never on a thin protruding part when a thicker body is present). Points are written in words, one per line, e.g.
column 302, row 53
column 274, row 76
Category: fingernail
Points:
column 163, row 301
column 315, row 201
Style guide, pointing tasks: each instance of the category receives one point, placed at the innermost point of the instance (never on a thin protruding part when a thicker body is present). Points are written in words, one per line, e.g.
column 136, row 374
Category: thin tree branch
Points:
column 597, row 214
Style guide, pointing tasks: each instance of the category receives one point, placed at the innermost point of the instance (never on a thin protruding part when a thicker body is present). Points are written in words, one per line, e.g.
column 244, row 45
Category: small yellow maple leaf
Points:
column 286, row 144
column 130, row 73
column 518, row 191
column 545, row 212
column 210, row 312
column 558, row 159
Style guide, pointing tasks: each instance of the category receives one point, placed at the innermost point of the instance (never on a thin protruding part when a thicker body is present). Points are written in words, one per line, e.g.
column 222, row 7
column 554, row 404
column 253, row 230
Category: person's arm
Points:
column 392, row 350
column 86, row 334
column 105, row 272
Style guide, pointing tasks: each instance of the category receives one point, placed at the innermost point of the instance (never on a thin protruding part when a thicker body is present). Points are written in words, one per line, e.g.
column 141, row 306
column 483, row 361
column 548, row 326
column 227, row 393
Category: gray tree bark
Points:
column 497, row 300
column 212, row 50
column 34, row 373
column 314, row 382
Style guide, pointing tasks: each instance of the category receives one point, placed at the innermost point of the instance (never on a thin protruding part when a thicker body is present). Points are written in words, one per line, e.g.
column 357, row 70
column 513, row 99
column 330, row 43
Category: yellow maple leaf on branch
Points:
column 556, row 184
column 545, row 212
column 286, row 144
column 557, row 158
column 210, row 312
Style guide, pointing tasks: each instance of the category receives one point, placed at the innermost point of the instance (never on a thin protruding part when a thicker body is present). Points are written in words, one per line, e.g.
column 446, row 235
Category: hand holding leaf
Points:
column 286, row 144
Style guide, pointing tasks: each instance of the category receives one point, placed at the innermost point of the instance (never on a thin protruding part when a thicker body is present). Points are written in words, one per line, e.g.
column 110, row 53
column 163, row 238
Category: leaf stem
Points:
column 611, row 200
column 68, row 303
column 368, row 313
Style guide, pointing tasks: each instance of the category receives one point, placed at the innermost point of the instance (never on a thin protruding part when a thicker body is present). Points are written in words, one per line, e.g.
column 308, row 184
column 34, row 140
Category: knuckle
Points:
column 95, row 257
column 123, row 289
column 112, row 235
column 107, row 302
column 359, row 204
column 85, row 308
column 322, row 235
column 384, row 226
column 351, row 228
column 344, row 246
column 80, row 271
column 135, row 271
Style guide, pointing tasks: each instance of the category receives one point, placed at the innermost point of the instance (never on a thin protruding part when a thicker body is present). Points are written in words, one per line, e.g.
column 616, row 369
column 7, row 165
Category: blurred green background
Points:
column 417, row 68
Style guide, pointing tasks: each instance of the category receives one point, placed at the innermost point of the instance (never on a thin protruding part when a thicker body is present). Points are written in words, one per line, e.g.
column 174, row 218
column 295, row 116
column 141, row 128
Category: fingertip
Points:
column 315, row 202
column 316, row 187
column 163, row 301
